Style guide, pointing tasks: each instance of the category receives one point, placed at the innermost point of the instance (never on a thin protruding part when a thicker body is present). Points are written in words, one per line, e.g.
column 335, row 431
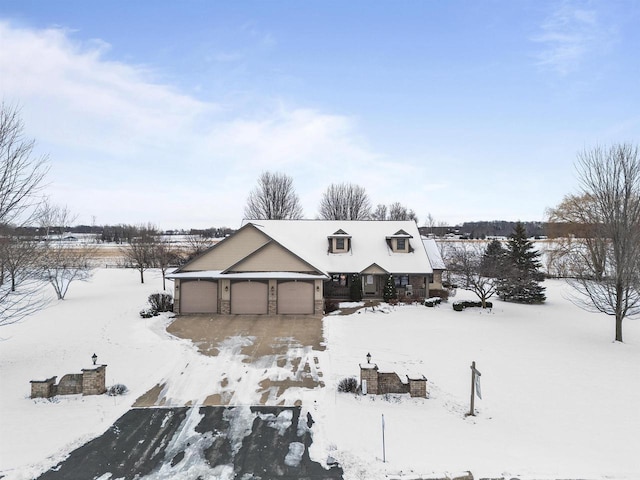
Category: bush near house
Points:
column 462, row 304
column 160, row 302
column 432, row 302
column 330, row 305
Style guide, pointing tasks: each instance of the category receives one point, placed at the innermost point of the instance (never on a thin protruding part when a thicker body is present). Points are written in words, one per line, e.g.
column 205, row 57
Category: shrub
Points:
column 462, row 304
column 117, row 389
column 161, row 302
column 432, row 302
column 148, row 313
column 330, row 305
column 348, row 385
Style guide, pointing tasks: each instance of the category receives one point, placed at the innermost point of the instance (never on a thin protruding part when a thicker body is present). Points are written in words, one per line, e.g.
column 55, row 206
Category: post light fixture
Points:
column 226, row 288
column 94, row 357
column 368, row 358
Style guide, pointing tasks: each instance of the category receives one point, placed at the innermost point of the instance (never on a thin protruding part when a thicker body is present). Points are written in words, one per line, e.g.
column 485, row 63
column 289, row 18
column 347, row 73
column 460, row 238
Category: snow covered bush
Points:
column 330, row 306
column 348, row 385
column 117, row 389
column 147, row 313
column 462, row 304
column 432, row 302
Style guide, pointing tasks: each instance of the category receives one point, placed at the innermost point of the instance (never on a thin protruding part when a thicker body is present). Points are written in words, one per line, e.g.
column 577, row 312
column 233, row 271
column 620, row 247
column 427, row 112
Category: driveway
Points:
column 199, row 443
column 252, row 360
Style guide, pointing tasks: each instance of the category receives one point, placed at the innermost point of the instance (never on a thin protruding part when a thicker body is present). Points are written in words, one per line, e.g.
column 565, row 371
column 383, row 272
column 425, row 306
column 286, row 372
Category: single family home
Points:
column 292, row 266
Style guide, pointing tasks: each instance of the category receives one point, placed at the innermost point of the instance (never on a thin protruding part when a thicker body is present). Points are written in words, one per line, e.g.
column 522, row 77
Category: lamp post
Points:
column 94, row 357
column 368, row 358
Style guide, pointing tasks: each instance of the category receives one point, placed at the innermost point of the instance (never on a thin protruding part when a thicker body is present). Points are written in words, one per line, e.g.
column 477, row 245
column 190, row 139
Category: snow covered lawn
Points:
column 560, row 399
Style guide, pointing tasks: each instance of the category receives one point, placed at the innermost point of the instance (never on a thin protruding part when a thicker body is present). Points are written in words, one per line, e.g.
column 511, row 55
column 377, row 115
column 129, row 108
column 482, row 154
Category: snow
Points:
column 560, row 399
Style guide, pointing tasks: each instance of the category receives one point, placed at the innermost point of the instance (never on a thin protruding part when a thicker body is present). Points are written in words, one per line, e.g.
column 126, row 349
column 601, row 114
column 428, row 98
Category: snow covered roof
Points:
column 309, row 240
column 433, row 252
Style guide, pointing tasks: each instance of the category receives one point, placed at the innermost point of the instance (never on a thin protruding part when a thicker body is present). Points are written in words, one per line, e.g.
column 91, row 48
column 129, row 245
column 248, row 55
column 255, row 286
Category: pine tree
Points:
column 389, row 289
column 519, row 282
column 493, row 260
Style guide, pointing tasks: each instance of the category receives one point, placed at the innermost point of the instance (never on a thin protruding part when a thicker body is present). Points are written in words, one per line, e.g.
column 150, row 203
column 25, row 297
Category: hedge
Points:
column 460, row 305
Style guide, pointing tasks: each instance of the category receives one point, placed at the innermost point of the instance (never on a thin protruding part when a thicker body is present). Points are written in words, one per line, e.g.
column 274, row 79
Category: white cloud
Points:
column 568, row 36
column 127, row 148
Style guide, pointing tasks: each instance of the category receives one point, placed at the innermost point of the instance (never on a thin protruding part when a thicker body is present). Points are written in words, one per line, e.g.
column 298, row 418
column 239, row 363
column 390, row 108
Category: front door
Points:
column 369, row 285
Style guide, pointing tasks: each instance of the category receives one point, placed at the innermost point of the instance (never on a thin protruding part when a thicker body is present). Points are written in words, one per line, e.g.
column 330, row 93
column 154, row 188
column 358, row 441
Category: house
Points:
column 291, row 266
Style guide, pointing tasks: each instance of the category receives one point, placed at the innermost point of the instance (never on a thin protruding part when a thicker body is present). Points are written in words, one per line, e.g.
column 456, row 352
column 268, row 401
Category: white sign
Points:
column 478, row 391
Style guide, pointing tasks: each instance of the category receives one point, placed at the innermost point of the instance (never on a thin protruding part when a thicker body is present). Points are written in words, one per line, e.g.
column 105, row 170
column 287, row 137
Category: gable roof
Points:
column 308, row 240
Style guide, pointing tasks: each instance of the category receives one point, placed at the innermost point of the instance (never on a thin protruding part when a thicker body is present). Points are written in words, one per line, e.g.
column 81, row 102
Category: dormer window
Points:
column 339, row 242
column 399, row 242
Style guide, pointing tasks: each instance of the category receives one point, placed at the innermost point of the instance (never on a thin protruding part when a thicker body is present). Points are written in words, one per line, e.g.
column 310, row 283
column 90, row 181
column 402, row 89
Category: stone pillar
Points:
column 318, row 297
column 43, row 388
column 369, row 373
column 93, row 380
column 176, row 296
column 273, row 297
column 418, row 386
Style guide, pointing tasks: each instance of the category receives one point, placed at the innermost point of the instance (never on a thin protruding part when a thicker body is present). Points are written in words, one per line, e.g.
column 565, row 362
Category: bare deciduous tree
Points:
column 345, row 201
column 380, row 213
column 141, row 249
column 165, row 255
column 468, row 269
column 64, row 260
column 21, row 173
column 21, row 177
column 397, row 211
column 606, row 262
column 274, row 198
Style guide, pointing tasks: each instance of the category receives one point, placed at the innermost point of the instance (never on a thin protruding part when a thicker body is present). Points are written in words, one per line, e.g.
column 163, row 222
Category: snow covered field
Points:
column 560, row 399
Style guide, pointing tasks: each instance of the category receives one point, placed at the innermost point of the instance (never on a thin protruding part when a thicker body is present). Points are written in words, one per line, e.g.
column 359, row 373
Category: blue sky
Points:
column 167, row 112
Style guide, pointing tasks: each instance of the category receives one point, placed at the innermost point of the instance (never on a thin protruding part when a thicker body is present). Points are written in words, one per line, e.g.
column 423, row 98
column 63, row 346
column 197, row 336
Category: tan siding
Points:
column 229, row 251
column 272, row 258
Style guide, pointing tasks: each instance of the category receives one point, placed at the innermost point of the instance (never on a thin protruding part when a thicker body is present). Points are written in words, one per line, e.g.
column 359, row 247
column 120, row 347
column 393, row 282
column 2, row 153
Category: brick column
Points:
column 93, row 380
column 369, row 373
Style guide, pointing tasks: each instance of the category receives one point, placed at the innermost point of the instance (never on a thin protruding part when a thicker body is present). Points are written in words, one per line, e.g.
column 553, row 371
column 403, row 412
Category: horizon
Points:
column 167, row 113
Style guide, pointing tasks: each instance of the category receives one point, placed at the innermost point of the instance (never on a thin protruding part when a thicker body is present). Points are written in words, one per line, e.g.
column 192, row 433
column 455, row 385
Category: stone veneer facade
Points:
column 90, row 382
column 379, row 383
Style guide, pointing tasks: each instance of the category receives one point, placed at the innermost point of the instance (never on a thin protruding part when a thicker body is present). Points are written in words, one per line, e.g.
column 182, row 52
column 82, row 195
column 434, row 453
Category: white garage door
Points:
column 198, row 297
column 249, row 298
column 295, row 298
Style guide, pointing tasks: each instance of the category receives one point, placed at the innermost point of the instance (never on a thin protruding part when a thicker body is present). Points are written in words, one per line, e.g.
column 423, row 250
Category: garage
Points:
column 249, row 298
column 198, row 296
column 295, row 298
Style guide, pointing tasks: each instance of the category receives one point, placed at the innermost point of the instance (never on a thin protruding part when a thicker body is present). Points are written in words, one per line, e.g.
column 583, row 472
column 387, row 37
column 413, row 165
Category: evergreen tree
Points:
column 519, row 280
column 493, row 260
column 389, row 289
column 355, row 289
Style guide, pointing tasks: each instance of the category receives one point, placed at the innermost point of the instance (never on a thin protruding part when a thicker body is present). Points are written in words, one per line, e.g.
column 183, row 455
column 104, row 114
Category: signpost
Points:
column 384, row 453
column 475, row 386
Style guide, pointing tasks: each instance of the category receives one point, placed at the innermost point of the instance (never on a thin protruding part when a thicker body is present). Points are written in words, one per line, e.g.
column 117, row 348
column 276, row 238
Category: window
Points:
column 339, row 243
column 401, row 280
column 401, row 244
column 339, row 279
